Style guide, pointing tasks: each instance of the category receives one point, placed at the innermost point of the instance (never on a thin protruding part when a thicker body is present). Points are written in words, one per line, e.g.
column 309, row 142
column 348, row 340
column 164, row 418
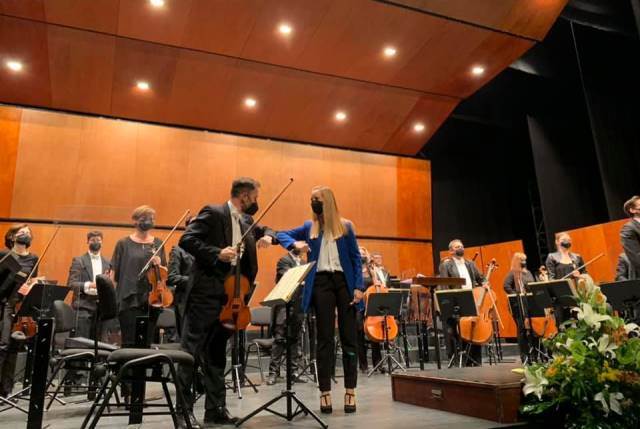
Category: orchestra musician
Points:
column 130, row 255
column 293, row 258
column 180, row 265
column 563, row 262
column 376, row 352
column 516, row 282
column 457, row 266
column 211, row 238
column 623, row 268
column 379, row 269
column 334, row 282
column 82, row 280
column 18, row 238
column 630, row 236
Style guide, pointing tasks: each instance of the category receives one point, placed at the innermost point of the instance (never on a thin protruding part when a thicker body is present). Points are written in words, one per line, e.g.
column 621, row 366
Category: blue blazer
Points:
column 347, row 250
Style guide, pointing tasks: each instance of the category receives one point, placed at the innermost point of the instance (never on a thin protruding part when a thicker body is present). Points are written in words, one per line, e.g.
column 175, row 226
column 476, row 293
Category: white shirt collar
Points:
column 94, row 256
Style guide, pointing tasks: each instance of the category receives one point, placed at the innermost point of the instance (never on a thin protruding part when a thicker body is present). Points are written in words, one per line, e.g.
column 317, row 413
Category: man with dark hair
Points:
column 630, row 236
column 82, row 280
column 212, row 238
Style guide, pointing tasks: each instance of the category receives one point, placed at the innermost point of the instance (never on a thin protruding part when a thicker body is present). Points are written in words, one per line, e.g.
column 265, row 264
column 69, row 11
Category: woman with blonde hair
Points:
column 335, row 282
column 516, row 282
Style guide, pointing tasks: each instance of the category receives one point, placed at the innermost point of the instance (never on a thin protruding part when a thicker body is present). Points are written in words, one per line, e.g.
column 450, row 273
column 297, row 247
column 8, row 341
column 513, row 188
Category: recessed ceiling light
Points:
column 157, row 3
column 285, row 29
column 341, row 116
column 15, row 66
column 389, row 51
column 418, row 127
column 250, row 102
column 143, row 86
column 477, row 70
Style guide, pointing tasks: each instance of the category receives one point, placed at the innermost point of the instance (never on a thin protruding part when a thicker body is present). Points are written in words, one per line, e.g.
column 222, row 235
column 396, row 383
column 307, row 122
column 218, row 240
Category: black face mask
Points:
column 523, row 264
column 459, row 253
column 565, row 244
column 94, row 247
column 145, row 224
column 363, row 259
column 316, row 206
column 24, row 240
column 252, row 209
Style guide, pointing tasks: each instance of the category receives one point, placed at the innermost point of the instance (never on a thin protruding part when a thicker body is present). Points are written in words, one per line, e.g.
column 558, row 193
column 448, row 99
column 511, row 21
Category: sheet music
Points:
column 286, row 287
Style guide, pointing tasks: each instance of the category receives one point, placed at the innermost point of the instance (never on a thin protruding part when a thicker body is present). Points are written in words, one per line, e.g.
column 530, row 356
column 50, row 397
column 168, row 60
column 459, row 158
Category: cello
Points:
column 235, row 314
column 374, row 325
column 160, row 296
column 479, row 329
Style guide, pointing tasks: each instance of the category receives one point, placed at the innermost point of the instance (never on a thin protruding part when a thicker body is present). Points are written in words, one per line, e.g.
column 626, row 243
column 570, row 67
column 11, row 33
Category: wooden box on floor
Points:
column 489, row 392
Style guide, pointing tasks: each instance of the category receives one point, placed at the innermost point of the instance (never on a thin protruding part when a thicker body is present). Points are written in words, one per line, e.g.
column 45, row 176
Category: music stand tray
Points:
column 462, row 299
column 553, row 294
column 384, row 304
column 40, row 298
column 622, row 296
column 532, row 310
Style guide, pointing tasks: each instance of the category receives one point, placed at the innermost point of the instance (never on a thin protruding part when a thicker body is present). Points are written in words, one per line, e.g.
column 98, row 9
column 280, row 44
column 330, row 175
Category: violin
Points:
column 479, row 329
column 235, row 314
column 160, row 296
column 374, row 325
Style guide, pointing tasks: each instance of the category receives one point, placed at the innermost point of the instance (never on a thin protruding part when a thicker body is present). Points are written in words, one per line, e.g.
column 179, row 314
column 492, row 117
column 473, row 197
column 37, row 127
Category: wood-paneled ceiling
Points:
column 203, row 58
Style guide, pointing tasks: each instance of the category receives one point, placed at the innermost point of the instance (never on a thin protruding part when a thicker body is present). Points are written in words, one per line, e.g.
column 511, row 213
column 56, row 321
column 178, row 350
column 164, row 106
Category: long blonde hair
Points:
column 515, row 261
column 333, row 224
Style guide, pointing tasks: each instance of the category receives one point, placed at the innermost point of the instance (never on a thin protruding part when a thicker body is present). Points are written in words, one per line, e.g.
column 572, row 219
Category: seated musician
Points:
column 376, row 353
column 293, row 258
column 457, row 266
column 19, row 239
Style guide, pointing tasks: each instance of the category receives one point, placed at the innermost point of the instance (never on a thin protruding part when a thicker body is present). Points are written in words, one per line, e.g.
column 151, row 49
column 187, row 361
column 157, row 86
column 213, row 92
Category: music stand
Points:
column 624, row 297
column 385, row 305
column 432, row 283
column 38, row 301
column 453, row 305
column 531, row 310
column 553, row 294
column 283, row 293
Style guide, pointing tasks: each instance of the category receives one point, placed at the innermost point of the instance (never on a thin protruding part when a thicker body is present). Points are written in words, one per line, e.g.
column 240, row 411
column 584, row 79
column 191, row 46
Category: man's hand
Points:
column 358, row 295
column 227, row 254
column 90, row 289
column 265, row 242
column 302, row 246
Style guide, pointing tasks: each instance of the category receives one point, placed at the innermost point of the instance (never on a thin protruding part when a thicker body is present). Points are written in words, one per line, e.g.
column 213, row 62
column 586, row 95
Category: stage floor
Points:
column 376, row 410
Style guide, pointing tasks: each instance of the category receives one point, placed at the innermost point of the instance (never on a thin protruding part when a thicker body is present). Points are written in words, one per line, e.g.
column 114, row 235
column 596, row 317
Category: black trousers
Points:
column 330, row 293
column 8, row 352
column 475, row 351
column 278, row 350
column 376, row 352
column 127, row 320
column 206, row 340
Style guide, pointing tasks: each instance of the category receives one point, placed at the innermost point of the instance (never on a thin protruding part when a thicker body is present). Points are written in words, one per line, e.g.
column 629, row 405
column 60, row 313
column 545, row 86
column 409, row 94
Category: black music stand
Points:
column 453, row 305
column 385, row 305
column 531, row 309
column 556, row 294
column 624, row 298
column 287, row 394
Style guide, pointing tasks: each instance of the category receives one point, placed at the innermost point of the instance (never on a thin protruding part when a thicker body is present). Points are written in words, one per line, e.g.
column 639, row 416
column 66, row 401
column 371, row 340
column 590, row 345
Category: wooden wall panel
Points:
column 100, row 169
column 9, row 136
column 595, row 239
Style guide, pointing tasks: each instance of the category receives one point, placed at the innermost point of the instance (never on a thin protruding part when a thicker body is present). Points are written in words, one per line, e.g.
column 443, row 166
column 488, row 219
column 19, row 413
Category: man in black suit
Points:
column 623, row 268
column 279, row 328
column 457, row 266
column 211, row 238
column 82, row 279
column 180, row 265
column 630, row 236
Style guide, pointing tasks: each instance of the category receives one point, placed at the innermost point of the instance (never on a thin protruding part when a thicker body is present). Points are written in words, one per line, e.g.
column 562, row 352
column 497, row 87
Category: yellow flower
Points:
column 551, row 371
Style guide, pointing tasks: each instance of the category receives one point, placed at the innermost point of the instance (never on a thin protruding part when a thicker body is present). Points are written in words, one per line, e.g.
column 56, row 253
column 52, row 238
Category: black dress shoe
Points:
column 192, row 419
column 271, row 379
column 219, row 416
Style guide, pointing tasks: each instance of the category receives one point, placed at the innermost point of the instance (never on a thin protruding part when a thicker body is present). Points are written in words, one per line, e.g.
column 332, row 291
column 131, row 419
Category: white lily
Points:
column 590, row 317
column 604, row 345
column 614, row 402
column 534, row 382
column 631, row 327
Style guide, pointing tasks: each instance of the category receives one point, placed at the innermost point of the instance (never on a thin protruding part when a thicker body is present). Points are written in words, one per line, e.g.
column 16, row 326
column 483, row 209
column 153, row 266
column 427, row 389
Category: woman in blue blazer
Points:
column 335, row 282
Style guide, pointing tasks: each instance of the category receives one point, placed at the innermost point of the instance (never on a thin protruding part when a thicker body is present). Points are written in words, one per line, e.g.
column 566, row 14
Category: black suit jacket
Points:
column 623, row 269
column 630, row 238
column 448, row 269
column 209, row 233
column 80, row 272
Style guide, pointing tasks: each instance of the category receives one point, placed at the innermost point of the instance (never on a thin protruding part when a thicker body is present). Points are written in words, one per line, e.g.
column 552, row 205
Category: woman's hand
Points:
column 357, row 296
